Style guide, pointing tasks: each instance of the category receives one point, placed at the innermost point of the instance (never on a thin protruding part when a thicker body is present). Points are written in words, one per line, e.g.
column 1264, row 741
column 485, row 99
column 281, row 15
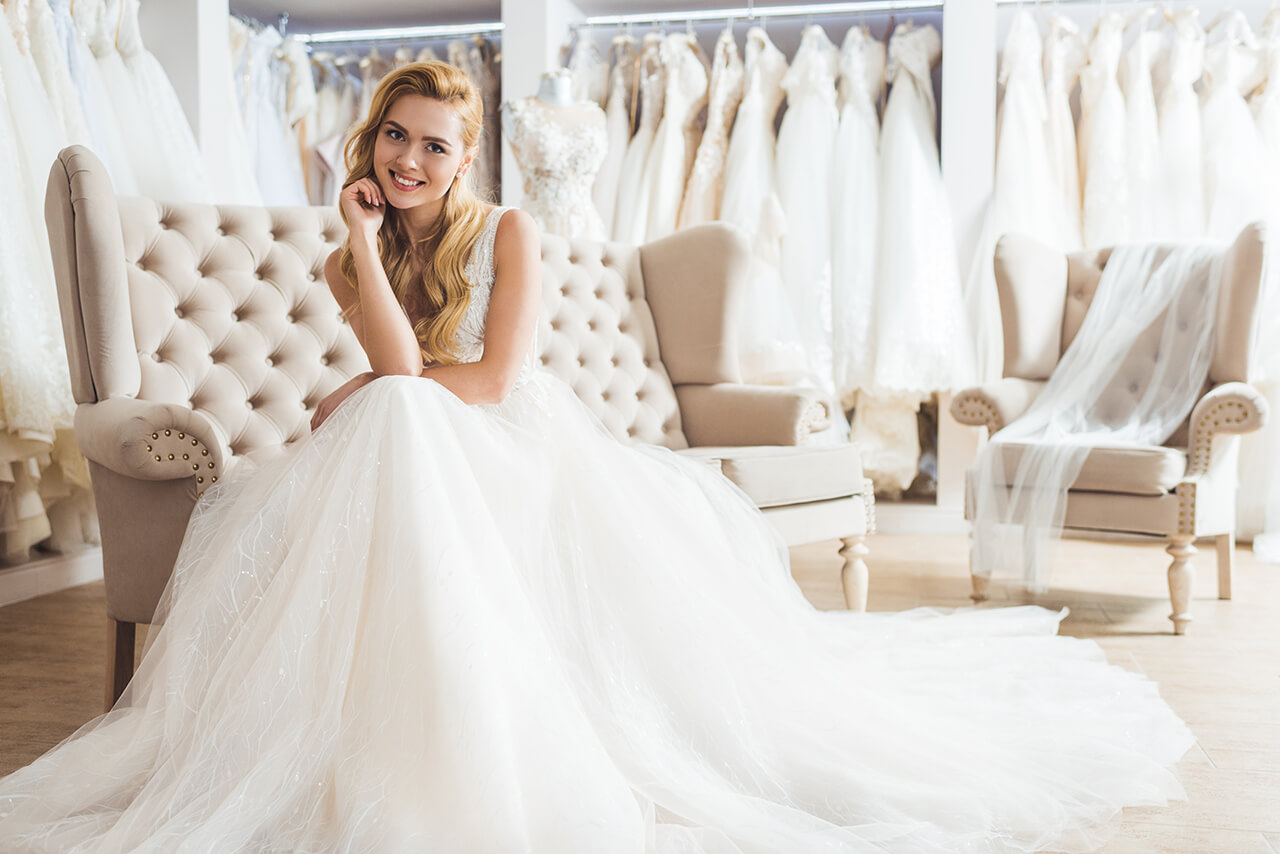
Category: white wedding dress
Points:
column 1104, row 152
column 666, row 167
column 495, row 628
column 1142, row 131
column 588, row 70
column 559, row 150
column 631, row 217
column 768, row 344
column 806, row 143
column 35, row 19
column 1063, row 58
column 1181, row 160
column 705, row 188
column 855, row 226
column 617, row 115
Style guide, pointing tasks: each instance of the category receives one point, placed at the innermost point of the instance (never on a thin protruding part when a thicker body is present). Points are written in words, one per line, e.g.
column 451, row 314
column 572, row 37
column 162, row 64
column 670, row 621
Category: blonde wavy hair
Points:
column 443, row 285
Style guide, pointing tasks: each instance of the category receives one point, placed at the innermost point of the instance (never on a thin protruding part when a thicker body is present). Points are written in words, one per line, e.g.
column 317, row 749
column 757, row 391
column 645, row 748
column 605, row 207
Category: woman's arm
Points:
column 513, row 314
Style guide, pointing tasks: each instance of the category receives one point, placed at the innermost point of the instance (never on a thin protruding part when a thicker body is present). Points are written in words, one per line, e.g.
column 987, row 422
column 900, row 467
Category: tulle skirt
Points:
column 433, row 626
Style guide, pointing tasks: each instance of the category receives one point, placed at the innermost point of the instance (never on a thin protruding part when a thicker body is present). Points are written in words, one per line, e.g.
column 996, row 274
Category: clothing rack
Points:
column 752, row 12
column 391, row 34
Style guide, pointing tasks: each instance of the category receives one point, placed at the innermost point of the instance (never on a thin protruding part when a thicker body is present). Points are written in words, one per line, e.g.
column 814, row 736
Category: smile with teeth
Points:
column 405, row 183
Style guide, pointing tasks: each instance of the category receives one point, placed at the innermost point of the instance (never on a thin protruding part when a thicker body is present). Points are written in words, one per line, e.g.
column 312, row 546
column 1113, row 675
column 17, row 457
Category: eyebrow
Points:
column 395, row 124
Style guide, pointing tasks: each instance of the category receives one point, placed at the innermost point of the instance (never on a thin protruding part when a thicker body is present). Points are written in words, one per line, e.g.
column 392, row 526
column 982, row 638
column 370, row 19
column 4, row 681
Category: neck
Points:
column 421, row 220
column 556, row 89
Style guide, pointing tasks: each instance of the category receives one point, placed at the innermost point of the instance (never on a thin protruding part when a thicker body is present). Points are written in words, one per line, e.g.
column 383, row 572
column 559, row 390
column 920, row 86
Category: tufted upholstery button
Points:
column 221, row 230
column 648, row 363
column 156, row 356
column 605, row 394
column 164, row 225
column 257, row 274
column 324, row 360
column 311, row 277
column 235, row 315
column 248, row 404
column 542, row 359
column 1133, row 388
column 178, row 311
column 599, row 292
column 614, row 361
column 270, row 362
column 291, row 318
column 582, row 363
column 302, row 403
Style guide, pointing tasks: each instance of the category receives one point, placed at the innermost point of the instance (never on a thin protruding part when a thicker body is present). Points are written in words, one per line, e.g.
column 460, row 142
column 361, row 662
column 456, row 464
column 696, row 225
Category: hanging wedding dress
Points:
column 806, row 142
column 35, row 17
column 180, row 167
column 589, row 70
column 617, row 129
column 478, row 59
column 1236, row 168
column 1142, row 130
column 925, row 344
column 855, row 228
column 631, row 219
column 1063, row 58
column 705, row 188
column 106, row 137
column 275, row 157
column 1025, row 193
column 1104, row 150
column 769, row 346
column 666, row 167
column 566, row 644
column 559, row 149
column 1181, row 160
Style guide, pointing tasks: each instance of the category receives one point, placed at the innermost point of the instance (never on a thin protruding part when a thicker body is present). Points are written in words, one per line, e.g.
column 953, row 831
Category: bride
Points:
column 460, row 617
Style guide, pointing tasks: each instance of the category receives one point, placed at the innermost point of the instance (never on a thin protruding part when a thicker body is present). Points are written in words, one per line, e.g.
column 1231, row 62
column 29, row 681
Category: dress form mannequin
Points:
column 559, row 145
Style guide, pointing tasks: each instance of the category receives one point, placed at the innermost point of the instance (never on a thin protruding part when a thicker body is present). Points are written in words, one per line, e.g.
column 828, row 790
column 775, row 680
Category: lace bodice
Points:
column 765, row 66
column 861, row 69
column 1063, row 55
column 706, row 178
column 913, row 51
column 589, row 70
column 481, row 273
column 652, row 81
column 559, row 150
column 813, row 71
column 686, row 79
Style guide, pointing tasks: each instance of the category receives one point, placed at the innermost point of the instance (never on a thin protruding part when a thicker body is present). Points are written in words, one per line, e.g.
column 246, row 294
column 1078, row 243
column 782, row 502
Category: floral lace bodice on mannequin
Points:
column 481, row 273
column 559, row 150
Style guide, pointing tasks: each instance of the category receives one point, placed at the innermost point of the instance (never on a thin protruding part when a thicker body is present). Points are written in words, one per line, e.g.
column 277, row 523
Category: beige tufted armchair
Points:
column 201, row 335
column 1182, row 490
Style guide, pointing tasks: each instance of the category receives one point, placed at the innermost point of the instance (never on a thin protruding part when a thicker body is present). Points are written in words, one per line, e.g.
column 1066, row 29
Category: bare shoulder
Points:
column 517, row 232
column 343, row 291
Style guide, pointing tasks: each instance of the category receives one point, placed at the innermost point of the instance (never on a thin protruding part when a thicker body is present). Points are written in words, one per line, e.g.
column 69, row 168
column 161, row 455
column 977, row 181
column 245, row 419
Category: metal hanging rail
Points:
column 400, row 33
column 753, row 12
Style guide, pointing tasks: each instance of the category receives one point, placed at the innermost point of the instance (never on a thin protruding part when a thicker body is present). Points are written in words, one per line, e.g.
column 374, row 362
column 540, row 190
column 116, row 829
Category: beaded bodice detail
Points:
column 480, row 273
column 559, row 151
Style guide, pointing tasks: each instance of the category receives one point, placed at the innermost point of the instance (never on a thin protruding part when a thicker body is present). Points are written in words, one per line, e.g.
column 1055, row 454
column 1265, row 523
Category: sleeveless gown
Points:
column 435, row 626
column 559, row 150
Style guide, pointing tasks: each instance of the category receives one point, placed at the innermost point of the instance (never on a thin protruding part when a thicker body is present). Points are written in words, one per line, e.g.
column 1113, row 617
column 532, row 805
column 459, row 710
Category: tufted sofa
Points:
column 201, row 336
column 1181, row 490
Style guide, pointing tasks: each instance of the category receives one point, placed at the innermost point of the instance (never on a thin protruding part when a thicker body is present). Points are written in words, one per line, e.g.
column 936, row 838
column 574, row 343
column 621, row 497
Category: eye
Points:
column 435, row 148
column 395, row 134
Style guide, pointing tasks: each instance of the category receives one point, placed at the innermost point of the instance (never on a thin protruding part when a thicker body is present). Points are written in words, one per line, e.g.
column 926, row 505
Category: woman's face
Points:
column 419, row 152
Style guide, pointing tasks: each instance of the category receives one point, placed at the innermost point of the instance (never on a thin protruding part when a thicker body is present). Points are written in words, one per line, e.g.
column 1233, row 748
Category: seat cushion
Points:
column 777, row 475
column 1132, row 469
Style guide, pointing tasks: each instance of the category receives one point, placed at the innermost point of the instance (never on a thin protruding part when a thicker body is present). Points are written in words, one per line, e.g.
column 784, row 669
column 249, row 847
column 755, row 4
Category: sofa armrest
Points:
column 995, row 404
column 737, row 414
column 1228, row 408
column 151, row 441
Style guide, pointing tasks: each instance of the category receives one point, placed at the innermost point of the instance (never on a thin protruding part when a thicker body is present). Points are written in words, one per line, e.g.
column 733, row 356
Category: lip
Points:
column 401, row 187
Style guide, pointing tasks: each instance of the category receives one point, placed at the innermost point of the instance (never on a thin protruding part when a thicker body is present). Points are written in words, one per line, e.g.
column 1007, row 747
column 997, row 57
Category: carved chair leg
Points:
column 1182, row 576
column 1226, row 563
column 979, row 582
column 120, row 638
column 854, row 577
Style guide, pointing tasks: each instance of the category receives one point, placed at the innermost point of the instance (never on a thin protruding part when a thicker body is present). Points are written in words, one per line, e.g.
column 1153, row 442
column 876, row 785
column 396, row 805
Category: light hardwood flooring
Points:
column 1223, row 677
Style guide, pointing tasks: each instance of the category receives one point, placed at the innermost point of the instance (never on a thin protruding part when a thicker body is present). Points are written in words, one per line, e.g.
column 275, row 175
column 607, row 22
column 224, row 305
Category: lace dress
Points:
column 856, row 213
column 630, row 219
column 430, row 626
column 666, row 166
column 478, row 59
column 705, row 188
column 1142, row 133
column 589, row 71
column 559, row 150
column 1063, row 57
column 36, row 21
column 1181, row 159
column 617, row 129
column 1104, row 152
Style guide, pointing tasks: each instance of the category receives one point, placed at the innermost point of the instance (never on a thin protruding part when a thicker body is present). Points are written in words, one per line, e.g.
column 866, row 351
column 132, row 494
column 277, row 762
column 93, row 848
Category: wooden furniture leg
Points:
column 1182, row 576
column 1226, row 563
column 120, row 639
column 854, row 577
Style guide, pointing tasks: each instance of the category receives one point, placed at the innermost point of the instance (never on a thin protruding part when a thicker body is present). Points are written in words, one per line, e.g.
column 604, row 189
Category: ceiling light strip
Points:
column 750, row 12
column 401, row 33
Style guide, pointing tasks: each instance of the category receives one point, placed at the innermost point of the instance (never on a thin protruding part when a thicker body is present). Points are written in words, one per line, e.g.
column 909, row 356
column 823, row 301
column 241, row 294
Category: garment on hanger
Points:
column 666, row 166
column 478, row 59
column 1142, row 130
column 1063, row 58
column 1103, row 144
column 806, row 142
column 631, row 217
column 855, row 232
column 559, row 149
column 274, row 152
column 35, row 20
column 617, row 128
column 590, row 70
column 705, row 188
column 1181, row 202
column 768, row 343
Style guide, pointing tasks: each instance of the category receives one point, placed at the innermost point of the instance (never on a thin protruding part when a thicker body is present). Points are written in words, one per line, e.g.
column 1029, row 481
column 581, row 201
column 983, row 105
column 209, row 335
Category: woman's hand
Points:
column 363, row 205
column 331, row 402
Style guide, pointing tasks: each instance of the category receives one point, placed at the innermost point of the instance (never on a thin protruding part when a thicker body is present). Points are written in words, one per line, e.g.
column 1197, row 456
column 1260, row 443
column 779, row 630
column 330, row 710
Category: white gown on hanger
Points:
column 589, row 71
column 666, row 167
column 1063, row 57
column 35, row 19
column 632, row 216
column 1104, row 152
column 180, row 165
column 617, row 129
column 806, row 142
column 1026, row 192
column 855, row 226
column 1182, row 163
column 768, row 343
column 276, row 160
column 705, row 188
column 559, row 149
column 1142, row 131
column 566, row 644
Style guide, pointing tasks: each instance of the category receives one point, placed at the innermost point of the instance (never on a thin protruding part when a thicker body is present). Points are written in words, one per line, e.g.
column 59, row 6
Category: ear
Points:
column 464, row 166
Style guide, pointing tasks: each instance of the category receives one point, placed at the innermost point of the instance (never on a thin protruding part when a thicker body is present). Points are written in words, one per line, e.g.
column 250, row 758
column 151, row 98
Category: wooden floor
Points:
column 1223, row 677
